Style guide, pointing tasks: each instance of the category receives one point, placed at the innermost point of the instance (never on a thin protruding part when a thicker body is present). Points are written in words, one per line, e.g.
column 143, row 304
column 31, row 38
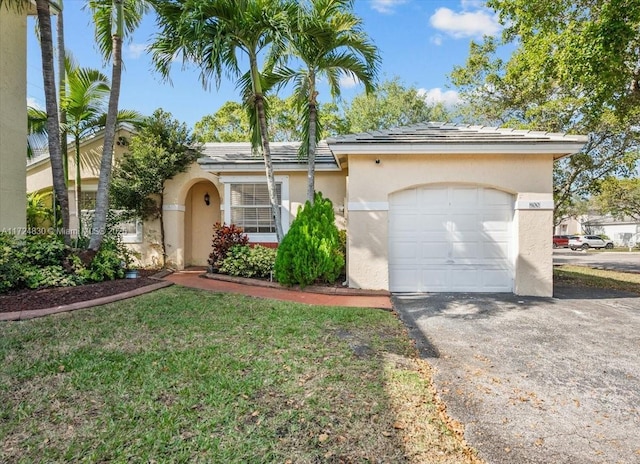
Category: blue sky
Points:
column 420, row 41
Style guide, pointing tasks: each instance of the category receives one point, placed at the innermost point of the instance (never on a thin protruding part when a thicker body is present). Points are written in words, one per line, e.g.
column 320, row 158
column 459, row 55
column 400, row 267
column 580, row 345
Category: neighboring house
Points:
column 13, row 118
column 624, row 232
column 428, row 208
column 143, row 239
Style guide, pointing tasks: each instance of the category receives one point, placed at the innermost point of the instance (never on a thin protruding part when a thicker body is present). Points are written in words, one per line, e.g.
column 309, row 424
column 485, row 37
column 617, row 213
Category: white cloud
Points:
column 465, row 23
column 386, row 6
column 349, row 82
column 31, row 101
column 135, row 50
column 434, row 96
column 436, row 40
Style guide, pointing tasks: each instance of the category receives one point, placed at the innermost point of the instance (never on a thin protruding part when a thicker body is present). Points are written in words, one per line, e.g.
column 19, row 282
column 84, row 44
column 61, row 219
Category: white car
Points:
column 584, row 242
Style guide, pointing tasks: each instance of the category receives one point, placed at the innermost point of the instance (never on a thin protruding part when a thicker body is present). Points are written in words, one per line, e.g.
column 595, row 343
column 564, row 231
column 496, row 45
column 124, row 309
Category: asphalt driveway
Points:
column 553, row 380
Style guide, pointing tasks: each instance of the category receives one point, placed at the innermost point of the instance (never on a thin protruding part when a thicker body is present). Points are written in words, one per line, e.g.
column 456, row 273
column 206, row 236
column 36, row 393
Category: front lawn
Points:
column 183, row 375
column 598, row 278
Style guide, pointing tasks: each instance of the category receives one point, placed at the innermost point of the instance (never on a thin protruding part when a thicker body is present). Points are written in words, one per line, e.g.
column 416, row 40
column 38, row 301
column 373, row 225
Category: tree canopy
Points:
column 553, row 81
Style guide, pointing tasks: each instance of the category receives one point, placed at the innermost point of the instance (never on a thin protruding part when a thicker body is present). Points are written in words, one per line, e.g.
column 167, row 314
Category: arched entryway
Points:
column 202, row 211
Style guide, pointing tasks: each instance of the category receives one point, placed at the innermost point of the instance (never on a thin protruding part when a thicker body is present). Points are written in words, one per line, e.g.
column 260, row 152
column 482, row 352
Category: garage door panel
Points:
column 436, row 197
column 436, row 250
column 465, row 222
column 493, row 198
column 404, row 251
column 463, row 197
column 465, row 250
column 451, row 238
column 495, row 250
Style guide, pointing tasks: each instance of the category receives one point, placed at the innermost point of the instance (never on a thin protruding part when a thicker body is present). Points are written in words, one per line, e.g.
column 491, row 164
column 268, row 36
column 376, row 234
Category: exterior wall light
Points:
column 207, row 199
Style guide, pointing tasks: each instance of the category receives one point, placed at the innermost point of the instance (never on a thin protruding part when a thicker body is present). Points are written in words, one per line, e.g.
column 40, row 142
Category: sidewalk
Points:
column 252, row 287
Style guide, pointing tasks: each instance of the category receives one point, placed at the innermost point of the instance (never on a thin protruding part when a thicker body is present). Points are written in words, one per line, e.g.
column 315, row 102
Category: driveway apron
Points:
column 536, row 380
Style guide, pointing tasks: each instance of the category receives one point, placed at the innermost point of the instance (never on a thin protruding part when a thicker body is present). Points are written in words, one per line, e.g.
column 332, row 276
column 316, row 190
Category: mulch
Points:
column 25, row 299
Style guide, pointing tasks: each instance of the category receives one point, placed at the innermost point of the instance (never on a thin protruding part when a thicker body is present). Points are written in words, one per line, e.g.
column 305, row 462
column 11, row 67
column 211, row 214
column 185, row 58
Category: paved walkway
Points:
column 260, row 289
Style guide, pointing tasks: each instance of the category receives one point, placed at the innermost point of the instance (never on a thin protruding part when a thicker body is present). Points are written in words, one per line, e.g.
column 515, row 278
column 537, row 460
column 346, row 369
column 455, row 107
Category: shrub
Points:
column 224, row 238
column 244, row 261
column 49, row 276
column 310, row 252
column 10, row 262
column 44, row 250
column 109, row 262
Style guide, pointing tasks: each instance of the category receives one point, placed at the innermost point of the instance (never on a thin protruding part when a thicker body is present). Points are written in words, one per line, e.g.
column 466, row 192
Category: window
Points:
column 251, row 208
column 88, row 200
column 247, row 205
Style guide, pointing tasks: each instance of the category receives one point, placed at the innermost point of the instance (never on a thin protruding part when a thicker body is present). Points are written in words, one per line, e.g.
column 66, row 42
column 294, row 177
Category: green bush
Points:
column 244, row 261
column 225, row 237
column 110, row 261
column 49, row 276
column 311, row 250
column 38, row 261
column 10, row 262
column 44, row 250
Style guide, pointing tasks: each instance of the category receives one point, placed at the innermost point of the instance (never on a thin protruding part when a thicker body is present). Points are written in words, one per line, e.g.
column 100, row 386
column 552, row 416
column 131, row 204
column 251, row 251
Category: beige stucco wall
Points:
column 13, row 119
column 527, row 177
column 188, row 222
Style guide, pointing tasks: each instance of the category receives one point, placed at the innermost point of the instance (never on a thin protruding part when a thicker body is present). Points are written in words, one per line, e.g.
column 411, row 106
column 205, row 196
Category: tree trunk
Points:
column 63, row 90
column 53, row 126
column 266, row 149
column 311, row 168
column 268, row 164
column 78, row 185
column 102, row 196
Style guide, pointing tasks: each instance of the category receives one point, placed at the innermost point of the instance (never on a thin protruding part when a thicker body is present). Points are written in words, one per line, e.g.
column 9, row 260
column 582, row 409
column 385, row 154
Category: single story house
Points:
column 433, row 207
column 624, row 231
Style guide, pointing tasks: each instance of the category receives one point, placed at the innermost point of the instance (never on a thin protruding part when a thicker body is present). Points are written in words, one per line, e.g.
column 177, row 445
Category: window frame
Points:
column 285, row 203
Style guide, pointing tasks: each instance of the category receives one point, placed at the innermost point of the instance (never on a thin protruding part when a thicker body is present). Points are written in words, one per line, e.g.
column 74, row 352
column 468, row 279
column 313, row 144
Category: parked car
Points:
column 585, row 242
column 561, row 241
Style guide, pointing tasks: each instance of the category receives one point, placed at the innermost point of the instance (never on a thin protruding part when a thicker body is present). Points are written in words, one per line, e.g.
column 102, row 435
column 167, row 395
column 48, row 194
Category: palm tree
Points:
column 84, row 105
column 53, row 125
column 329, row 42
column 214, row 34
column 113, row 20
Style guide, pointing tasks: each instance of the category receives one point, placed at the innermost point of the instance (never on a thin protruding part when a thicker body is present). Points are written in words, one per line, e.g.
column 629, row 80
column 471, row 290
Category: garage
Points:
column 451, row 238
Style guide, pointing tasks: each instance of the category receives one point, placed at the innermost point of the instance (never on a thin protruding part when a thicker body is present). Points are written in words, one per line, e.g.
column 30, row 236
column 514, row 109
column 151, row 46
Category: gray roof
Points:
column 238, row 156
column 455, row 139
column 438, row 132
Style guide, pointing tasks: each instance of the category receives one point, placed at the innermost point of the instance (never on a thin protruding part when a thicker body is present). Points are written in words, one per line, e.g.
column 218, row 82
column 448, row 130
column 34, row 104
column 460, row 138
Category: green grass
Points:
column 183, row 375
column 597, row 278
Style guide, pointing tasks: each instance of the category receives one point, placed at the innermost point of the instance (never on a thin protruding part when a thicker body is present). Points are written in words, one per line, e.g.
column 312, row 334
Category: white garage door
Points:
column 451, row 238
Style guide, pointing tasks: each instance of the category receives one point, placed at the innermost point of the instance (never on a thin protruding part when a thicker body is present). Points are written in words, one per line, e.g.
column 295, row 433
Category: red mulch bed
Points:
column 22, row 300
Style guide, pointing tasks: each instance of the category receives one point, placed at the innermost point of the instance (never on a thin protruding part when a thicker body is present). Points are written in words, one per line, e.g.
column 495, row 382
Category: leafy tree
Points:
column 229, row 124
column 113, row 20
column 160, row 150
column 532, row 90
column 590, row 46
column 619, row 197
column 310, row 251
column 391, row 105
column 330, row 43
column 214, row 34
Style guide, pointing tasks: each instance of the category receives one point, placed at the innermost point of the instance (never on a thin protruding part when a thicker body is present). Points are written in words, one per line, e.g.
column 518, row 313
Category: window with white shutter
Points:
column 251, row 208
column 247, row 205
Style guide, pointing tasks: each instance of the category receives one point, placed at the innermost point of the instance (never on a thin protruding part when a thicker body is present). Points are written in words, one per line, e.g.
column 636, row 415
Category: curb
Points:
column 344, row 291
column 31, row 314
